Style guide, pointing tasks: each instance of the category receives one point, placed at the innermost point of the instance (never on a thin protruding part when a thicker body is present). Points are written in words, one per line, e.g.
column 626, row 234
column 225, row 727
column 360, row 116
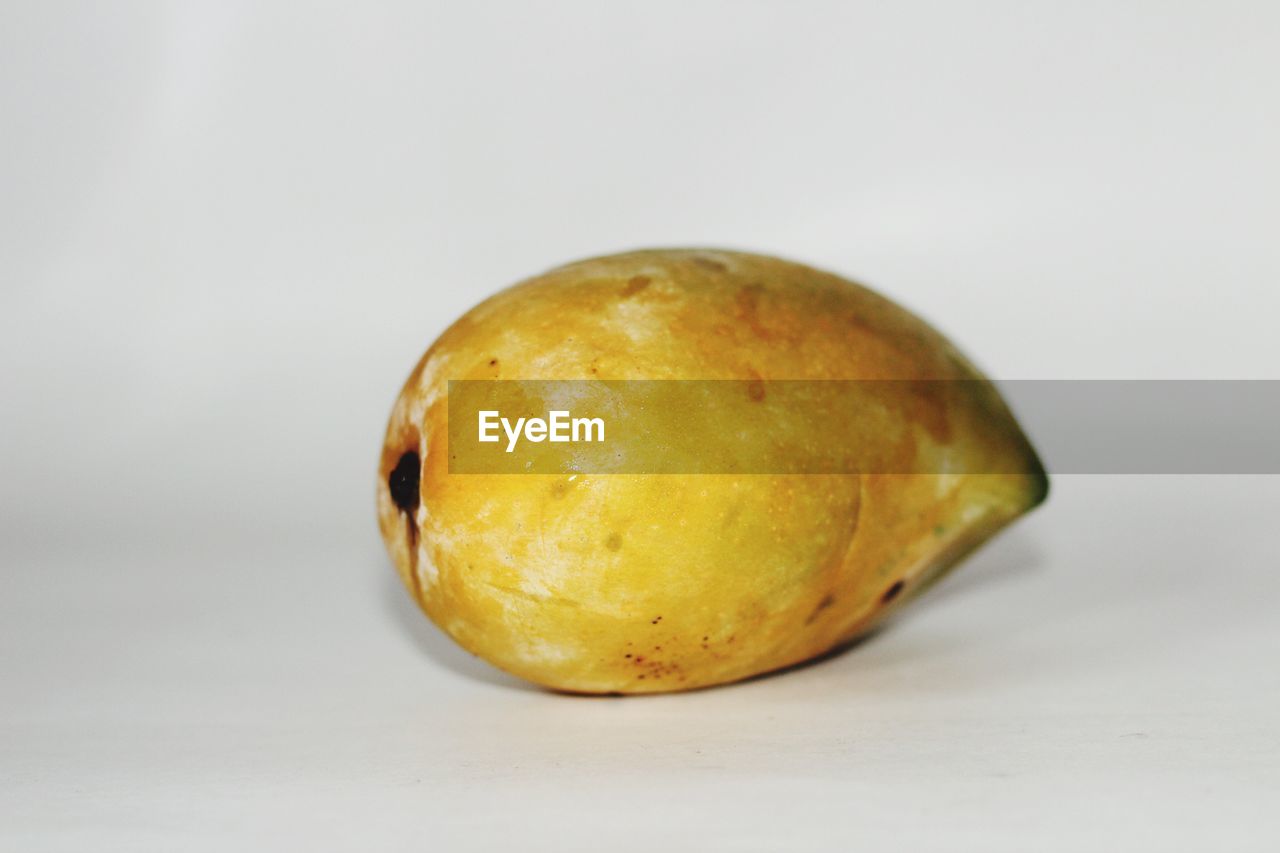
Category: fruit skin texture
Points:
column 649, row 583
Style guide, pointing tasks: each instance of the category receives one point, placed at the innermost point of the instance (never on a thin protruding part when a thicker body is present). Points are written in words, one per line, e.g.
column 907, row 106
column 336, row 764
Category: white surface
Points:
column 228, row 230
column 1101, row 678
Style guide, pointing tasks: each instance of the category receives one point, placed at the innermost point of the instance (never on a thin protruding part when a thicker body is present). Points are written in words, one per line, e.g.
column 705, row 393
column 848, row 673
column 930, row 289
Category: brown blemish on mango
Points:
column 404, row 484
column 827, row 601
column 747, row 301
column 635, row 284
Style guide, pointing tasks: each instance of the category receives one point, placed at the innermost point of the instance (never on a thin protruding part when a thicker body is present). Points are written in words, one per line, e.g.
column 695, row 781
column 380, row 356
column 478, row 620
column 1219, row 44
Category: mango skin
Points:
column 652, row 583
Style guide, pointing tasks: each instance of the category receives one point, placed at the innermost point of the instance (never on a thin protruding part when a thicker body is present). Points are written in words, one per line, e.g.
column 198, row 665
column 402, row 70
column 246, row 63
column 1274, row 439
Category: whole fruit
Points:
column 634, row 583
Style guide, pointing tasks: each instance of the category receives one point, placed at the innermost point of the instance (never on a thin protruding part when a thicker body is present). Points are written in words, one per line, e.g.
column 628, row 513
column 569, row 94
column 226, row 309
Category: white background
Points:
column 227, row 231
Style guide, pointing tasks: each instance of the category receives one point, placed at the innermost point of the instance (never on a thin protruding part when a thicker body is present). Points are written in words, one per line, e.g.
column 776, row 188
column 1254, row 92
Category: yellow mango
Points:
column 639, row 583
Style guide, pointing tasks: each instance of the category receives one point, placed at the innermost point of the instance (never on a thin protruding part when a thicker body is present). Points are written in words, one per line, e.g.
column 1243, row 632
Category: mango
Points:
column 642, row 583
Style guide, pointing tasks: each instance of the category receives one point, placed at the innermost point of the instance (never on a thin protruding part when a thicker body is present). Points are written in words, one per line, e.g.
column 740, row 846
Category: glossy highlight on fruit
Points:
column 640, row 583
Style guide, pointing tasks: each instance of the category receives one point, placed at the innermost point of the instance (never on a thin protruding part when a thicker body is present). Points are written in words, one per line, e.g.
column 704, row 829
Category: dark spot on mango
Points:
column 709, row 264
column 403, row 482
column 827, row 601
column 892, row 592
column 636, row 284
column 614, row 542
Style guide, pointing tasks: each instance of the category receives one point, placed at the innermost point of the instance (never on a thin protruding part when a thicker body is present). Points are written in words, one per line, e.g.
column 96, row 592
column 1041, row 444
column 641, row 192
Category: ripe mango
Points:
column 640, row 583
